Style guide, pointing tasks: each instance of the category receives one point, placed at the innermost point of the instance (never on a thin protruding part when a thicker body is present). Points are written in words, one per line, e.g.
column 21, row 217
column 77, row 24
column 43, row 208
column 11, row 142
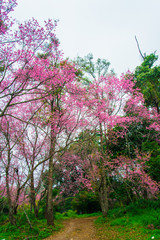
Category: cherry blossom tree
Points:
column 44, row 107
column 72, row 172
column 23, row 74
column 20, row 65
column 12, row 176
column 106, row 101
column 36, row 83
column 61, row 113
column 33, row 147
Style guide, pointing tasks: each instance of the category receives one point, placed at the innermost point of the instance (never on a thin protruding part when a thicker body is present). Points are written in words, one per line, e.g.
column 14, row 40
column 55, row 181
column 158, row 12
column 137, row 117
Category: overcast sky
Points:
column 106, row 28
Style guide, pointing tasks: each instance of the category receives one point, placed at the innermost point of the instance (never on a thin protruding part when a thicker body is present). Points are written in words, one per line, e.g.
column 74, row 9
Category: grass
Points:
column 23, row 231
column 139, row 221
column 40, row 228
column 72, row 214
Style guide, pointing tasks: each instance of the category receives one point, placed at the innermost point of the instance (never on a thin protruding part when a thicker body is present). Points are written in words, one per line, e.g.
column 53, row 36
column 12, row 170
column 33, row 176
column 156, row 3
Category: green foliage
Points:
column 153, row 148
column 138, row 137
column 151, row 218
column 42, row 210
column 21, row 216
column 92, row 69
column 147, row 77
column 3, row 218
column 120, row 221
column 22, row 229
column 101, row 220
column 141, row 219
column 121, row 194
column 143, row 212
column 4, row 205
column 73, row 214
column 85, row 202
column 66, row 215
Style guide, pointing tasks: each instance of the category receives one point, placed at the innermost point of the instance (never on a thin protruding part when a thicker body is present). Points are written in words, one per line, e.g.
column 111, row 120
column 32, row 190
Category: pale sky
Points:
column 106, row 28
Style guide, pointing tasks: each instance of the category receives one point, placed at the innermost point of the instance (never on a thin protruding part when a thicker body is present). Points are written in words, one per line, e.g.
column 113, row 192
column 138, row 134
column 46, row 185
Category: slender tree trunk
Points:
column 49, row 212
column 49, row 215
column 103, row 195
column 11, row 208
column 33, row 199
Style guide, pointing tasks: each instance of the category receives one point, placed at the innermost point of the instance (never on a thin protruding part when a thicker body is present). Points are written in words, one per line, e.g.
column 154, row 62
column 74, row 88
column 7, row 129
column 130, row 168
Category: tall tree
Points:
column 106, row 100
column 62, row 115
column 32, row 148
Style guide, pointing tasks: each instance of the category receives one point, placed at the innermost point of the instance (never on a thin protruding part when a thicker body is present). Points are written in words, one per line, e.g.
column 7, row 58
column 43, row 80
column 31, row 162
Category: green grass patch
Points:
column 72, row 214
column 139, row 221
column 23, row 231
column 40, row 228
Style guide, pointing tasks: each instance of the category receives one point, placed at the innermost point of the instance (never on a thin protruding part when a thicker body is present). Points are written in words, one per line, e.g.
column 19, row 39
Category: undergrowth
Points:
column 40, row 228
column 140, row 220
column 72, row 214
column 22, row 230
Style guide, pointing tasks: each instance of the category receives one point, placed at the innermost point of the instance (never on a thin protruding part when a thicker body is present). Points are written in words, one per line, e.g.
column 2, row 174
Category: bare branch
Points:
column 143, row 56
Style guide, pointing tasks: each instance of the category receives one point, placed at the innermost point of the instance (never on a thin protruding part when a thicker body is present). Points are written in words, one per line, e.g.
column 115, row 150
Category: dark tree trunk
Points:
column 11, row 215
column 103, row 196
column 11, row 208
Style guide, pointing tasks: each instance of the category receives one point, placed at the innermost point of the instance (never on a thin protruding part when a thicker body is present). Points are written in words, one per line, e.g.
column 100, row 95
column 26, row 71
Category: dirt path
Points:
column 76, row 229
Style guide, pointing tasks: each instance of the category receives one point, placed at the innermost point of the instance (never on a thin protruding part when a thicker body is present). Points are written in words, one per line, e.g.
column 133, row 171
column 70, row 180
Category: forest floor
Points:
column 76, row 229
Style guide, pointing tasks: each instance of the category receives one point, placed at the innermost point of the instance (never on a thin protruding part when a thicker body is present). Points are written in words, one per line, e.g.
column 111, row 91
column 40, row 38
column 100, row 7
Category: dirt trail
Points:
column 76, row 229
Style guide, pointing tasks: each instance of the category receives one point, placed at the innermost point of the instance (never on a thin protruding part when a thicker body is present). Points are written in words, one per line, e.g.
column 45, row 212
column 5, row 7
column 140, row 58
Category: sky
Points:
column 106, row 28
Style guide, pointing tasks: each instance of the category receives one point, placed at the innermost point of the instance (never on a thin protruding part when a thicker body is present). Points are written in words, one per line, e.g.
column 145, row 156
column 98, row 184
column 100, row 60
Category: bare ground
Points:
column 76, row 229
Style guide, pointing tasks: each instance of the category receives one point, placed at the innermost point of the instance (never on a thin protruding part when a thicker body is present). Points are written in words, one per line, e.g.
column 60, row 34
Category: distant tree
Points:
column 92, row 70
column 147, row 78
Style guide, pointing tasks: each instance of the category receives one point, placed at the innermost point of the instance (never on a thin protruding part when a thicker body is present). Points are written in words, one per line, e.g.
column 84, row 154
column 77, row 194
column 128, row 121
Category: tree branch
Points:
column 143, row 56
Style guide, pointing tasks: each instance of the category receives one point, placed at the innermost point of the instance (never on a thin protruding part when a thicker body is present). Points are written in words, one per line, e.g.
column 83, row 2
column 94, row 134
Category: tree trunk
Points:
column 11, row 208
column 103, row 193
column 49, row 212
column 49, row 215
column 33, row 199
column 103, row 196
column 11, row 215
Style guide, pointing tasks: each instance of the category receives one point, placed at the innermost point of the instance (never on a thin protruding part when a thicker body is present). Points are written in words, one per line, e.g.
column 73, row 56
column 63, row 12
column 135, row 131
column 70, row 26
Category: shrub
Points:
column 85, row 202
column 4, row 205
